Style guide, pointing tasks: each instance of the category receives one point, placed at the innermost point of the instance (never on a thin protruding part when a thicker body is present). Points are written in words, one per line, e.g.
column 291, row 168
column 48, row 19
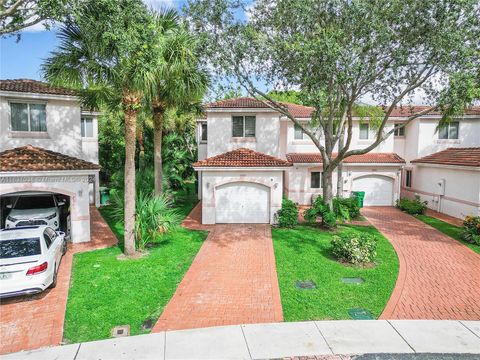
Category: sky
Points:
column 22, row 59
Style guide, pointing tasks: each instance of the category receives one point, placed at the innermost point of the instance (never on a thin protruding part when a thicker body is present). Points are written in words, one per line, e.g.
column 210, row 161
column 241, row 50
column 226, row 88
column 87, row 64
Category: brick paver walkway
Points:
column 439, row 277
column 36, row 321
column 232, row 280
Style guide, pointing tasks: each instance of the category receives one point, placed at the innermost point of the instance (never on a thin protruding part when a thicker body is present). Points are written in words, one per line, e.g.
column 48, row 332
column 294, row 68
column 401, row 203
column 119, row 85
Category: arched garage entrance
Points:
column 378, row 189
column 242, row 202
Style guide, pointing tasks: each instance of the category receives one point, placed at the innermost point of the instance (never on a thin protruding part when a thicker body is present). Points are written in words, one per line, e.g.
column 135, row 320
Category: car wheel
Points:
column 54, row 282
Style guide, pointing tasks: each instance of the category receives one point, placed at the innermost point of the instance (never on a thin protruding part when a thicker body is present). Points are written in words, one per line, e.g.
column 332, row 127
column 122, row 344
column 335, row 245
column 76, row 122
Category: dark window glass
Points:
column 19, row 116
column 28, row 117
column 408, row 178
column 249, row 126
column 399, row 131
column 237, row 126
column 315, row 179
column 34, row 202
column 298, row 132
column 48, row 241
column 204, row 132
column 363, row 131
column 19, row 247
column 448, row 131
column 87, row 127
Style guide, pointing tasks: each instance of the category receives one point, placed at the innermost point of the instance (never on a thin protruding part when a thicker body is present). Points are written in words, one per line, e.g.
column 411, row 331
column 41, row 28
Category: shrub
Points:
column 154, row 217
column 413, row 207
column 355, row 248
column 329, row 219
column 320, row 209
column 471, row 230
column 351, row 205
column 288, row 214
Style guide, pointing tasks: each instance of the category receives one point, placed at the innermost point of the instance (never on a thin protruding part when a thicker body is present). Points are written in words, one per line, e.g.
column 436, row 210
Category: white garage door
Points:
column 378, row 190
column 242, row 203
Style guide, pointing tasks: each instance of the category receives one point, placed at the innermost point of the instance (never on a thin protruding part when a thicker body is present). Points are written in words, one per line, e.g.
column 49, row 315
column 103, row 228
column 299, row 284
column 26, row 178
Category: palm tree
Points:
column 179, row 79
column 106, row 52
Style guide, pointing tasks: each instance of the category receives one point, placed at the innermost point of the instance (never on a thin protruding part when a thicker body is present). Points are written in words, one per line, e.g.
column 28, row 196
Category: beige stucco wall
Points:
column 212, row 179
column 462, row 189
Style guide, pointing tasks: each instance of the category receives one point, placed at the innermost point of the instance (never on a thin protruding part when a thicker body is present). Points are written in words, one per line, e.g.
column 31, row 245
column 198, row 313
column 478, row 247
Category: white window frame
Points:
column 243, row 116
column 447, row 125
column 360, row 131
column 320, row 182
column 397, row 130
column 84, row 130
column 408, row 177
column 28, row 103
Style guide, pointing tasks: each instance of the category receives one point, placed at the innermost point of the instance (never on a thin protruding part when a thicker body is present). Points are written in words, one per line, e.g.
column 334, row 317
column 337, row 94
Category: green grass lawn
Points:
column 304, row 253
column 448, row 229
column 106, row 292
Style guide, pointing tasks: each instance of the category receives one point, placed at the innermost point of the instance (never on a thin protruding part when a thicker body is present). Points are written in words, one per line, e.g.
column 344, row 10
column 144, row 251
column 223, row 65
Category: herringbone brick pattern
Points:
column 439, row 277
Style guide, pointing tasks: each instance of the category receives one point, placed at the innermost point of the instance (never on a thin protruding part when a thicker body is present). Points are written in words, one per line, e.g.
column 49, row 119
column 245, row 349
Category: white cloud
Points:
column 160, row 4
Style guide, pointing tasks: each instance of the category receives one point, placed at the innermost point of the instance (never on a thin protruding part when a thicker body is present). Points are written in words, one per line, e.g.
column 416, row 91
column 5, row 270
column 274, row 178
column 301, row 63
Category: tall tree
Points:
column 179, row 78
column 106, row 51
column 337, row 52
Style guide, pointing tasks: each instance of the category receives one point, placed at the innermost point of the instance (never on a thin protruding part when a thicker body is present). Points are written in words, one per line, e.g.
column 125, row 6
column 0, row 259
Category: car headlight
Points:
column 50, row 217
column 10, row 218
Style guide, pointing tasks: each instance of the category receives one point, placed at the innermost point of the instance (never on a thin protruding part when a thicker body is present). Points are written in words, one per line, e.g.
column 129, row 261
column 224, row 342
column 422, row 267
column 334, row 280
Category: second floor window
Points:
column 299, row 134
column 363, row 131
column 203, row 132
column 87, row 127
column 28, row 117
column 243, row 126
column 315, row 179
column 399, row 131
column 448, row 131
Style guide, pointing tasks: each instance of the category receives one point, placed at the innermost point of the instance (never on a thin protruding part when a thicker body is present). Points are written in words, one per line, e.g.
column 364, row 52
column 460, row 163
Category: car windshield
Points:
column 19, row 247
column 34, row 202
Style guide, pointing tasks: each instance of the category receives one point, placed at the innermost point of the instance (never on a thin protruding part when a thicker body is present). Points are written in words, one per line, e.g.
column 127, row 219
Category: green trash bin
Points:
column 104, row 195
column 360, row 195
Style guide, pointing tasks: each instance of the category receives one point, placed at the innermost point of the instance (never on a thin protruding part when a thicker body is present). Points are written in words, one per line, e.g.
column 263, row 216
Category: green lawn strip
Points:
column 304, row 253
column 106, row 292
column 448, row 229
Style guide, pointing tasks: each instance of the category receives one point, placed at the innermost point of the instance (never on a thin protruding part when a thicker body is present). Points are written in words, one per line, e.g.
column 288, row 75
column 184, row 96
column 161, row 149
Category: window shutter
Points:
column 19, row 116
column 237, row 126
column 249, row 126
column 298, row 133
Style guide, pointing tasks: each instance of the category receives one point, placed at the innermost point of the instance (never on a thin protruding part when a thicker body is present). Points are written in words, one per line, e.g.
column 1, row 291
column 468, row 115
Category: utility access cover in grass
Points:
column 360, row 314
column 352, row 280
column 305, row 284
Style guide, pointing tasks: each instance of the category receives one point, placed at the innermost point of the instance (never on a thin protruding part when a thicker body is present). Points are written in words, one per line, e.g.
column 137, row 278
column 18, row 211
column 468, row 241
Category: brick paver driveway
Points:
column 233, row 280
column 36, row 321
column 439, row 277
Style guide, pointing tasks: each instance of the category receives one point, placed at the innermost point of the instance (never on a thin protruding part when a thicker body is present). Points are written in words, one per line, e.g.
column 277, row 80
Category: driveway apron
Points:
column 439, row 277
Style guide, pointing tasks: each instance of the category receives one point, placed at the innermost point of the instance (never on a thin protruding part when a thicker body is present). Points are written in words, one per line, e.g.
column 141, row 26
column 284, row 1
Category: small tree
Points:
column 337, row 52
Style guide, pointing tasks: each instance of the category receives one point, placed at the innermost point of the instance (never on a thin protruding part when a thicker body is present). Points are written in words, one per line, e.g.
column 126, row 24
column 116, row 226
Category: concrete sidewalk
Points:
column 280, row 340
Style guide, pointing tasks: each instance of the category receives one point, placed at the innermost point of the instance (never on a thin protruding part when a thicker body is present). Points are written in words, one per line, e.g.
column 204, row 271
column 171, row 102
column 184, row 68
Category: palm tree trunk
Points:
column 141, row 147
column 130, row 112
column 158, row 115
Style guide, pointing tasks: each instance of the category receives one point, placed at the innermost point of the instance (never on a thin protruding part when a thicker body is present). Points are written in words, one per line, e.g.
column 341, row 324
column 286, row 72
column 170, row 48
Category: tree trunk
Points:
column 129, row 102
column 327, row 184
column 141, row 148
column 340, row 169
column 158, row 114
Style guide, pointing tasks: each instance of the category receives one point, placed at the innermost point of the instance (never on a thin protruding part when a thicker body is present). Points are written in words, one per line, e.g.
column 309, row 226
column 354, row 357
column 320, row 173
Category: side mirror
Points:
column 61, row 203
column 9, row 206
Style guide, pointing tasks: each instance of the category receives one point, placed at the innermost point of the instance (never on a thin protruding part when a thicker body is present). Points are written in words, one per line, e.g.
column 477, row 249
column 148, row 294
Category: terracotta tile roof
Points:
column 33, row 86
column 407, row 110
column 453, row 156
column 242, row 158
column 30, row 158
column 296, row 110
column 374, row 158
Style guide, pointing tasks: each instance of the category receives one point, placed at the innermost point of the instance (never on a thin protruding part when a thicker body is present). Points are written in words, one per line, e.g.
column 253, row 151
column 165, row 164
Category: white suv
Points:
column 35, row 209
column 29, row 259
